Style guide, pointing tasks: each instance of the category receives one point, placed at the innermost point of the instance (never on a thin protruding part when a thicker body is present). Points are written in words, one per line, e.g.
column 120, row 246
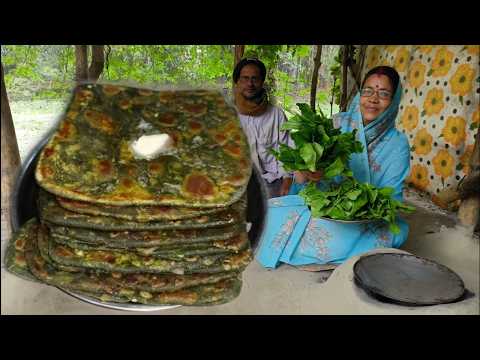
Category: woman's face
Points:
column 375, row 97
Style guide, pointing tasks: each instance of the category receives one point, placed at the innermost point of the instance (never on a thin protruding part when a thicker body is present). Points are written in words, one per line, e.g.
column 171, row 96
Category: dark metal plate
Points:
column 407, row 279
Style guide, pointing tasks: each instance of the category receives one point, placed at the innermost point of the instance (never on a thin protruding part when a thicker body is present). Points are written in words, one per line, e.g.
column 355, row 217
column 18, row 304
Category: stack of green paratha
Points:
column 122, row 228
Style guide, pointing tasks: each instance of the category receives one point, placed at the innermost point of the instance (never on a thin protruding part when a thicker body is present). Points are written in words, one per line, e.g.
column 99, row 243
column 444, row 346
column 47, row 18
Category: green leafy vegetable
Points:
column 318, row 144
column 351, row 200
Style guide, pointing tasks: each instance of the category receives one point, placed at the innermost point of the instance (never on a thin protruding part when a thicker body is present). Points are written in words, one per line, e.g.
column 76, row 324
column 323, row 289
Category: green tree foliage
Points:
column 48, row 71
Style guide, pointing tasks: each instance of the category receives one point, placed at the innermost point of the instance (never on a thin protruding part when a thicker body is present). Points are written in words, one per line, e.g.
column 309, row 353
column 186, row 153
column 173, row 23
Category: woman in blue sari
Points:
column 294, row 237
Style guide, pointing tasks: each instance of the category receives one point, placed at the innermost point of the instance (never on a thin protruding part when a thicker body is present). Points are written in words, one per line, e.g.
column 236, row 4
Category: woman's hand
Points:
column 285, row 188
column 303, row 176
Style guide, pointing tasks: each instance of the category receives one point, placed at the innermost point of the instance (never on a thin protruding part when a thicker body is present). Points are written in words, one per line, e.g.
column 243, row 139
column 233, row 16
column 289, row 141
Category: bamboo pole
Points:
column 317, row 62
column 10, row 162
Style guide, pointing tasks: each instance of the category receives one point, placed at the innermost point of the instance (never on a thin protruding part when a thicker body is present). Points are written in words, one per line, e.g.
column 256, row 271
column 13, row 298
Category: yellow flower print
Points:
column 433, row 103
column 426, row 49
column 475, row 119
column 462, row 81
column 373, row 58
column 391, row 48
column 441, row 63
column 417, row 74
column 454, row 131
column 401, row 59
column 423, row 142
column 419, row 177
column 410, row 118
column 465, row 160
column 476, row 116
column 473, row 49
column 443, row 164
column 386, row 62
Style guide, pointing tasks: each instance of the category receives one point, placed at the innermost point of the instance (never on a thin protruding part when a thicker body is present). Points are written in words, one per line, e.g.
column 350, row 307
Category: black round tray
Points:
column 407, row 280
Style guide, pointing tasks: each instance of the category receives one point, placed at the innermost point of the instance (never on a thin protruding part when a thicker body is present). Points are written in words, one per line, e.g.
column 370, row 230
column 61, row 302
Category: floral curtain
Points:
column 439, row 112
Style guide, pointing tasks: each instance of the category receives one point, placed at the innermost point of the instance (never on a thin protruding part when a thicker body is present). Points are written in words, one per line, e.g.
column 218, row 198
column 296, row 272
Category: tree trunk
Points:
column 343, row 101
column 98, row 61
column 81, row 63
column 10, row 163
column 317, row 62
column 238, row 54
column 356, row 71
column 239, row 50
column 359, row 65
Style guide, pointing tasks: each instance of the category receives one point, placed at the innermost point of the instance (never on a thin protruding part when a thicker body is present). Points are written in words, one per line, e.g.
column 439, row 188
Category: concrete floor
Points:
column 288, row 290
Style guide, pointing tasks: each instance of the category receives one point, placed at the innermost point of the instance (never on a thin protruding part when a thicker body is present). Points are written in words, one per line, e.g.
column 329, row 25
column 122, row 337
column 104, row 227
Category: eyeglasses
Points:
column 382, row 94
column 247, row 79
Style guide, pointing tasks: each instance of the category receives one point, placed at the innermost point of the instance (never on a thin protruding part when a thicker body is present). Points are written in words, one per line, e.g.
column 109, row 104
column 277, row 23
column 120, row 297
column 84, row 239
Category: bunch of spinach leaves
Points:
column 351, row 200
column 318, row 144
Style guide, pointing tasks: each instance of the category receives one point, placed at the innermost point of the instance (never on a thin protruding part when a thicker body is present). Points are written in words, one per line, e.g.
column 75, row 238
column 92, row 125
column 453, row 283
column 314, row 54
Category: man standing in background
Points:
column 261, row 122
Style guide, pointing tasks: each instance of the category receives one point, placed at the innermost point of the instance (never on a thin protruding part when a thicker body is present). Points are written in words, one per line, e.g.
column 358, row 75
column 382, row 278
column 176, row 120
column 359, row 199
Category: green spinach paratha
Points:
column 50, row 211
column 114, row 284
column 135, row 213
column 204, row 295
column 162, row 239
column 89, row 158
column 233, row 245
column 15, row 260
column 130, row 262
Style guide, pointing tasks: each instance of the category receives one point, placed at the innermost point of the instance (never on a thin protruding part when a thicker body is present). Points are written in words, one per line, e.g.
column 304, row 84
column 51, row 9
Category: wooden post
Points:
column 343, row 102
column 356, row 70
column 239, row 51
column 97, row 63
column 81, row 63
column 317, row 62
column 238, row 54
column 82, row 70
column 10, row 162
column 359, row 66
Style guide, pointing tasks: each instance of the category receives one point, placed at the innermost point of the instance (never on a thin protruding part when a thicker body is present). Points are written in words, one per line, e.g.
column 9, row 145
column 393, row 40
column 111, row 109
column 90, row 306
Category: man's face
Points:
column 249, row 82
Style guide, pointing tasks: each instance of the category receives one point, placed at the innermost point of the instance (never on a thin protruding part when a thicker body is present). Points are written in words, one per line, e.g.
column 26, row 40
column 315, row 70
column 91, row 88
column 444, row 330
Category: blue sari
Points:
column 294, row 237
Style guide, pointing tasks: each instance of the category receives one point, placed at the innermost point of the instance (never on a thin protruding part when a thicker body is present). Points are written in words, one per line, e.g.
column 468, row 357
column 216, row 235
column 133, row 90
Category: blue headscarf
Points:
column 370, row 134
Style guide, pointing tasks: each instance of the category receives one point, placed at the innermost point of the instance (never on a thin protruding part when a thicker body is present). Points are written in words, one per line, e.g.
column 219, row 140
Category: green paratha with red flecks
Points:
column 50, row 211
column 131, row 262
column 162, row 239
column 90, row 158
column 135, row 213
column 217, row 293
column 15, row 260
column 232, row 245
column 112, row 283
